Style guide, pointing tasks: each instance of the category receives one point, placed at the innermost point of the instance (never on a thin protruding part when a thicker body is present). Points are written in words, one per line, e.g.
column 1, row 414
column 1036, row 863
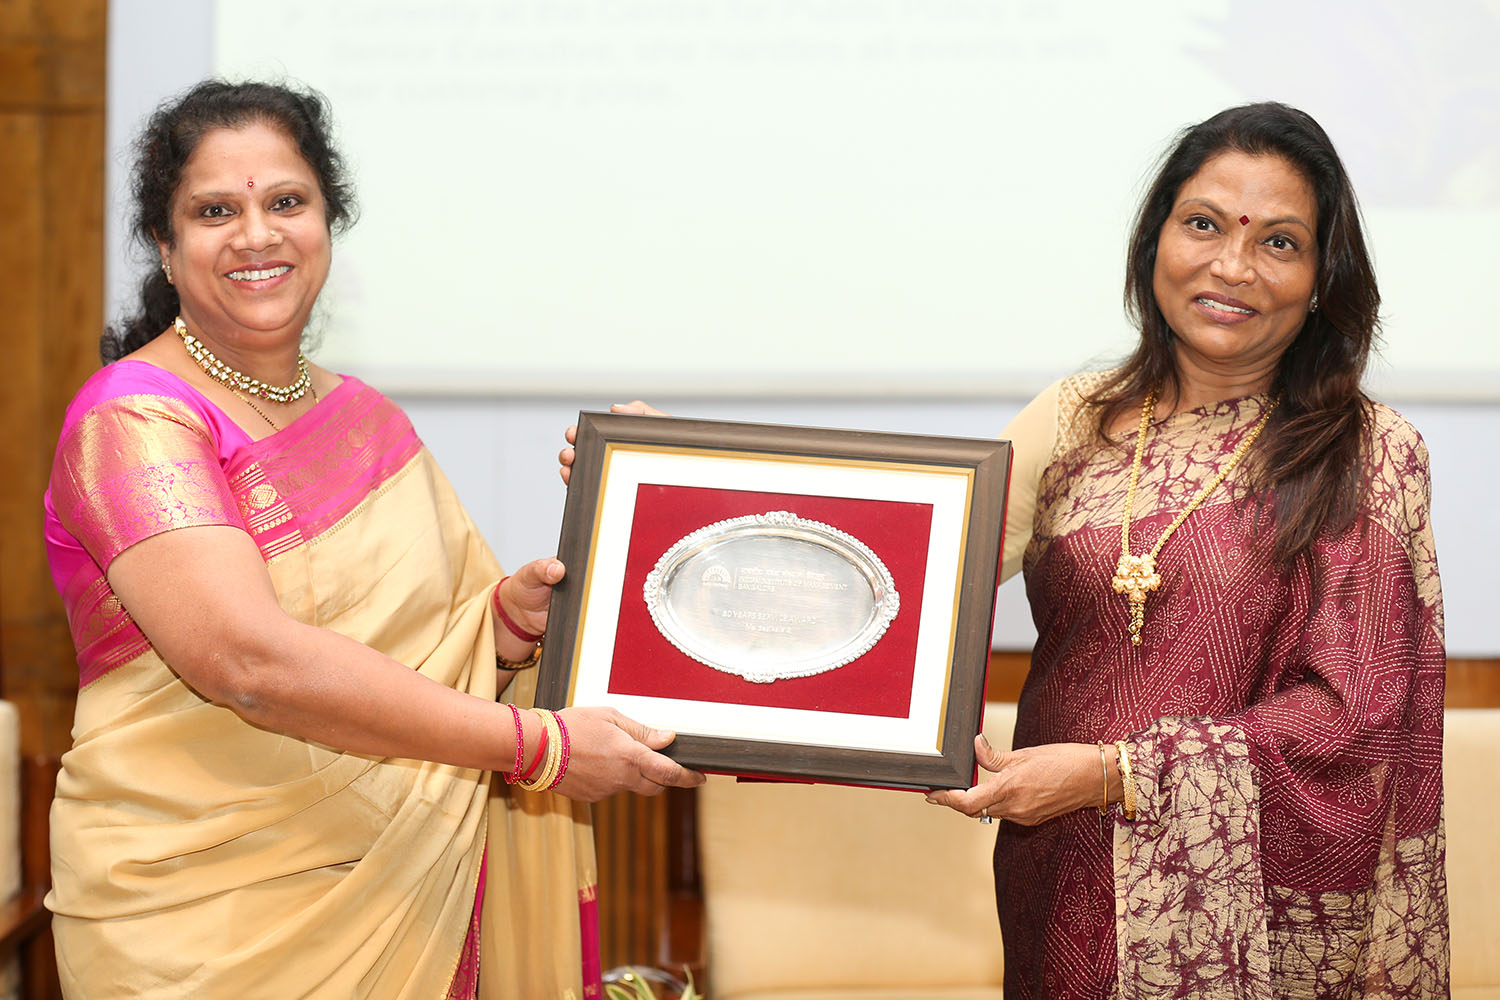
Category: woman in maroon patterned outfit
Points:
column 1282, row 713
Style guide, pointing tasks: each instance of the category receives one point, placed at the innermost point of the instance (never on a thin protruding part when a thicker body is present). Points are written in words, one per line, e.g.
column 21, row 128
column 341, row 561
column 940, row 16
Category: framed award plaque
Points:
column 794, row 602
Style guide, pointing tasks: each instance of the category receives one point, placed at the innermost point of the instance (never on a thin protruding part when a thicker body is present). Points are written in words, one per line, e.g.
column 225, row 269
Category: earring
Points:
column 1312, row 306
column 167, row 270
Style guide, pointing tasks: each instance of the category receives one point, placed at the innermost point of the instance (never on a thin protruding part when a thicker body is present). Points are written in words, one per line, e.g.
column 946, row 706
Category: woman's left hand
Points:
column 1031, row 785
column 525, row 596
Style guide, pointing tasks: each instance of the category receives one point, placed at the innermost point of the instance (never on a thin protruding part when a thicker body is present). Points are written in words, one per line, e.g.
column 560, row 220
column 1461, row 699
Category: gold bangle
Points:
column 526, row 664
column 1127, row 778
column 1104, row 762
column 548, row 771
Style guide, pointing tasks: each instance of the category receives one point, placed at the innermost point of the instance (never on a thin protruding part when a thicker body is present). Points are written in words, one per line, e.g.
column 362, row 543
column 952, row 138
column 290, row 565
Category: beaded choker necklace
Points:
column 239, row 381
column 1136, row 576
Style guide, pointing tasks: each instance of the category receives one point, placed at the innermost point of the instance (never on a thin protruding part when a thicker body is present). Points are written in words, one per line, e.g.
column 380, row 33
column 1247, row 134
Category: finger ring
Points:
column 984, row 815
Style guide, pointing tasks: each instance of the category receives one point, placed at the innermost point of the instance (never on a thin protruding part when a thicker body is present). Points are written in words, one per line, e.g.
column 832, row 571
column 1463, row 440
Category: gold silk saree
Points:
column 195, row 855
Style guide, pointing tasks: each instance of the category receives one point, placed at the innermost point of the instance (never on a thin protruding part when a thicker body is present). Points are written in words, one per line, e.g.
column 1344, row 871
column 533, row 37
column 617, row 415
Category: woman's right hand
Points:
column 565, row 457
column 610, row 752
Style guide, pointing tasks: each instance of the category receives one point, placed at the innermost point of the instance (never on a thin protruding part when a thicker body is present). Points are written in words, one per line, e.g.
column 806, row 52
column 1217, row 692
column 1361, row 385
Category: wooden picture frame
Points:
column 707, row 592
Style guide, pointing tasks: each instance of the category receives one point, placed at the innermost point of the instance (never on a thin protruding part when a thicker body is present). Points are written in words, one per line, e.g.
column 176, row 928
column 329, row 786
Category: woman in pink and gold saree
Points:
column 301, row 668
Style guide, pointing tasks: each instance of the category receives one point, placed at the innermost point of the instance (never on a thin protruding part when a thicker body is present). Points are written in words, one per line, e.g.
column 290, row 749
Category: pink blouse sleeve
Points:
column 134, row 466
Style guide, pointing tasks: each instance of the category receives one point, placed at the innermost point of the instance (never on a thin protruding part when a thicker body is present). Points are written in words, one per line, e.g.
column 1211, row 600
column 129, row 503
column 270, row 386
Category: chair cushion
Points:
column 821, row 887
column 817, row 892
column 1471, row 803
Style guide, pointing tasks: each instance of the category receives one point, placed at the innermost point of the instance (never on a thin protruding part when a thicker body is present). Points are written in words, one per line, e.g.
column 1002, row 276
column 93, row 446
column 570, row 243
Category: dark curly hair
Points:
column 162, row 151
column 1310, row 458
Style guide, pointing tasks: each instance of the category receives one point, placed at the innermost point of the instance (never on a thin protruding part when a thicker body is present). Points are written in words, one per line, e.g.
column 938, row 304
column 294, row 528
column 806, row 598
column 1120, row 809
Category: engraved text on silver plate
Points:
column 771, row 596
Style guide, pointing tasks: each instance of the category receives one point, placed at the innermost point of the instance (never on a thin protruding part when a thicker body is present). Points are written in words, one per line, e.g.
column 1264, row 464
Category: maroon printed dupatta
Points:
column 1287, row 733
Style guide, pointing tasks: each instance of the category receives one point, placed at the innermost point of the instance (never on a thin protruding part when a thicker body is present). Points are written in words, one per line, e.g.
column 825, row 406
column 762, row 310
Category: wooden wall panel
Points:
column 650, row 896
column 1471, row 683
column 52, row 103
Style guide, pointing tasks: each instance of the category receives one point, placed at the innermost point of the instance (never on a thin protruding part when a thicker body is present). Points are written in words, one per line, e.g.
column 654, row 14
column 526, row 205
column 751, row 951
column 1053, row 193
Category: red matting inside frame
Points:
column 878, row 683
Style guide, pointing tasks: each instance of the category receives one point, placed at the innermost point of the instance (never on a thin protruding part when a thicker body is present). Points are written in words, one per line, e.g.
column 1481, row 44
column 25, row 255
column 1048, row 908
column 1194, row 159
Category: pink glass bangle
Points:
column 567, row 751
column 515, row 771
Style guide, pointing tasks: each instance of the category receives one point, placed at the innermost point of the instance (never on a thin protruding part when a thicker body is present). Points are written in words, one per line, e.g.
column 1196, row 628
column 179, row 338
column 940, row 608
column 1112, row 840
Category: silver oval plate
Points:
column 771, row 596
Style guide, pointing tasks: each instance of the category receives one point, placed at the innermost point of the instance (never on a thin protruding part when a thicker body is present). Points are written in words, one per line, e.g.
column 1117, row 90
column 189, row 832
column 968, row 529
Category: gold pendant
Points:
column 1135, row 577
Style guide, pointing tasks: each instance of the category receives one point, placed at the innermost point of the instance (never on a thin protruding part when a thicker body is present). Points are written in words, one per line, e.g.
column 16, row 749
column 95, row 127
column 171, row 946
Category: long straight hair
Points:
column 1311, row 453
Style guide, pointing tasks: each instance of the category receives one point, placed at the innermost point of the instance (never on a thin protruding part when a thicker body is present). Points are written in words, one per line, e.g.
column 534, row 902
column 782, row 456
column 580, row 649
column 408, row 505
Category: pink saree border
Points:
column 302, row 482
column 289, row 487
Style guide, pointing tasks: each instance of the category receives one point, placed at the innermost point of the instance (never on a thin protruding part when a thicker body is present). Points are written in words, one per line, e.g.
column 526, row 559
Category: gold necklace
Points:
column 235, row 381
column 1136, row 576
column 239, row 381
column 274, row 426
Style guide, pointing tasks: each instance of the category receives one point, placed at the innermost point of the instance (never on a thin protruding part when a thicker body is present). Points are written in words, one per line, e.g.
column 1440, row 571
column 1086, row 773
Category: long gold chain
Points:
column 274, row 426
column 246, row 400
column 1136, row 576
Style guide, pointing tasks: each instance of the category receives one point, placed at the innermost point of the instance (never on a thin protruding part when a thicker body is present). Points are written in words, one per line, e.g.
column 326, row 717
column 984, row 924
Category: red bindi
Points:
column 1244, row 220
column 249, row 182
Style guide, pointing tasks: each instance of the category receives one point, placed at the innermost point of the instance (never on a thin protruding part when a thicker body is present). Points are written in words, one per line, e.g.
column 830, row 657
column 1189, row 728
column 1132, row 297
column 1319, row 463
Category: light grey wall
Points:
column 156, row 48
column 501, row 453
column 502, row 458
